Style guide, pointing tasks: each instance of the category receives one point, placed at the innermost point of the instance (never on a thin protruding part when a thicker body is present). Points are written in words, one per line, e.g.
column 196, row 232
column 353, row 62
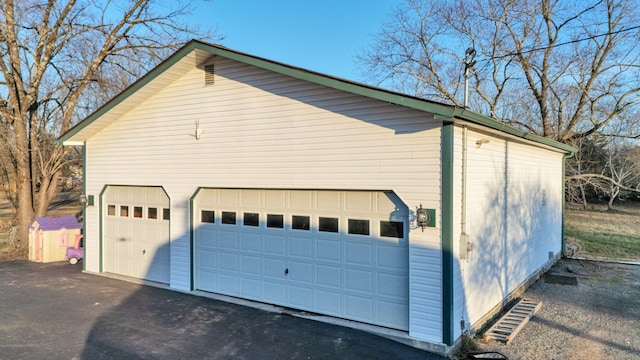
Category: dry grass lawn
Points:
column 603, row 234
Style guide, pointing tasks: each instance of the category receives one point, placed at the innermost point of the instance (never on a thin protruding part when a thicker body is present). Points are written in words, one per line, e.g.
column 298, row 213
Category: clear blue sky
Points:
column 319, row 35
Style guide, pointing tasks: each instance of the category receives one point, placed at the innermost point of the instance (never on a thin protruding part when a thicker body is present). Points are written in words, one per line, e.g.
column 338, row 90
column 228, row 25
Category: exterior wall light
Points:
column 480, row 142
column 422, row 217
column 86, row 200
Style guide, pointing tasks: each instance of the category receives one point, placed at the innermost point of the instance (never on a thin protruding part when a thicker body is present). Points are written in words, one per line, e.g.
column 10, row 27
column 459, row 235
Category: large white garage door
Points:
column 340, row 253
column 136, row 232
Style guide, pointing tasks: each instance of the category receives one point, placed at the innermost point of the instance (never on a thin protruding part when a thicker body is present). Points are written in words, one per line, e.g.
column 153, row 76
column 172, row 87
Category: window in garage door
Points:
column 135, row 240
column 340, row 253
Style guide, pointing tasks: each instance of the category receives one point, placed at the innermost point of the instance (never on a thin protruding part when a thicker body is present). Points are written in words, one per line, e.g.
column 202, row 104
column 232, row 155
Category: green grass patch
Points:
column 606, row 245
column 612, row 235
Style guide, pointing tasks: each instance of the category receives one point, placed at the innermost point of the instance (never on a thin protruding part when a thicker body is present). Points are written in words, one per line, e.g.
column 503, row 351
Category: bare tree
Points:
column 589, row 159
column 560, row 69
column 55, row 54
column 622, row 172
column 608, row 170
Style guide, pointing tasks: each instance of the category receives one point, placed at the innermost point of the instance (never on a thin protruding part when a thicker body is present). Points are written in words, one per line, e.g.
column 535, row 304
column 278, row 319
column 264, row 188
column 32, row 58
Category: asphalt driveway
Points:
column 54, row 311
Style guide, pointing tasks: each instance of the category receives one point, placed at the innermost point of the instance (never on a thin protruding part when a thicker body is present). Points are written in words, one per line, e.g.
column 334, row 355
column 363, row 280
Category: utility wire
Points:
column 564, row 43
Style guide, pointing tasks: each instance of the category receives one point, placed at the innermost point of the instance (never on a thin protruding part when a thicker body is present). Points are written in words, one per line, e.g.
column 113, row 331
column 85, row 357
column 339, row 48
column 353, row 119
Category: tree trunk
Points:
column 24, row 211
column 614, row 194
column 583, row 195
column 48, row 189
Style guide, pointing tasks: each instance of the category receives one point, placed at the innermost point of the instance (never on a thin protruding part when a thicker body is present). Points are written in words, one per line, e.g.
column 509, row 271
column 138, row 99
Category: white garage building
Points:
column 224, row 173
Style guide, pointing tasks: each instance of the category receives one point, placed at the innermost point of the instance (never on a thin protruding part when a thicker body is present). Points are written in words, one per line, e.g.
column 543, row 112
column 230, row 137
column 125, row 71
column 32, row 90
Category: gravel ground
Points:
column 599, row 318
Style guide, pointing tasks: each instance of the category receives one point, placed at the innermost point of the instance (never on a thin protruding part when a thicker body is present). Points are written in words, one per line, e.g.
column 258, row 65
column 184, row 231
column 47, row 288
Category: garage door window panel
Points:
column 358, row 227
column 208, row 216
column 299, row 222
column 152, row 213
column 166, row 214
column 251, row 219
column 229, row 217
column 275, row 221
column 124, row 211
column 393, row 229
column 328, row 224
column 137, row 212
column 111, row 210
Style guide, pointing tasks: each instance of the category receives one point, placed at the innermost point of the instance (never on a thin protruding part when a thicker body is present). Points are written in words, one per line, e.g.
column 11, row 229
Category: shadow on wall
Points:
column 518, row 233
column 160, row 323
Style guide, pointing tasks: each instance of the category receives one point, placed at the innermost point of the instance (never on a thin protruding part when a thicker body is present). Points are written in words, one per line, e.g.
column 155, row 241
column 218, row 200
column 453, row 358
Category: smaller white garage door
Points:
column 339, row 253
column 136, row 232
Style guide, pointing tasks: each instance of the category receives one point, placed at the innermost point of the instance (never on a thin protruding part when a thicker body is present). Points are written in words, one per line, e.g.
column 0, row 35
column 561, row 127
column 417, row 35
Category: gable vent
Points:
column 208, row 74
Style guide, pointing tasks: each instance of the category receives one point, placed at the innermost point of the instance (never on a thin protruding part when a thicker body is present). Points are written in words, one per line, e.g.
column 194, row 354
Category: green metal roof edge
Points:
column 446, row 111
column 480, row 119
column 383, row 95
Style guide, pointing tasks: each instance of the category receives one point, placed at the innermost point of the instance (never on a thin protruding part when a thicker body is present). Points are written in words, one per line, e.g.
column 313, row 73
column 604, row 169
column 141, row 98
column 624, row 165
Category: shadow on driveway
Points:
column 55, row 311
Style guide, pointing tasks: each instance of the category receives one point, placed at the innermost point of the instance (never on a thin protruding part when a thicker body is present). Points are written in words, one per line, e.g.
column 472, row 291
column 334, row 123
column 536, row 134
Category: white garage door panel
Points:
column 353, row 276
column 136, row 237
column 251, row 243
column 251, row 288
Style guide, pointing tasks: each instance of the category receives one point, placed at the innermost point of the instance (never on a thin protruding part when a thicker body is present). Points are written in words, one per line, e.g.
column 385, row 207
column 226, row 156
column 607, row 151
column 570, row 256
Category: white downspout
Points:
column 464, row 238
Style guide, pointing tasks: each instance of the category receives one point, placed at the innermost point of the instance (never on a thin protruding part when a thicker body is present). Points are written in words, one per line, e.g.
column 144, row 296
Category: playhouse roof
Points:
column 57, row 223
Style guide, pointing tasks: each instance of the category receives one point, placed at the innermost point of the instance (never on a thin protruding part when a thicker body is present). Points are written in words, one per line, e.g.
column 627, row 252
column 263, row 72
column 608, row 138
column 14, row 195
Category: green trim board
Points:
column 564, row 201
column 446, row 216
column 431, row 213
column 84, row 210
column 444, row 110
column 101, row 227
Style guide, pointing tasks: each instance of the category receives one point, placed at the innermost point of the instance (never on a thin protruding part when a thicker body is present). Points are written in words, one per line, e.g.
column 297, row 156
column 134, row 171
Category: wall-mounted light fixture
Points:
column 199, row 131
column 422, row 217
column 480, row 142
column 86, row 200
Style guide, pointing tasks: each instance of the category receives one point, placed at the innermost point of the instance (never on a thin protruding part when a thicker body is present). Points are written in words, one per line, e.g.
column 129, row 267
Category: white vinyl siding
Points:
column 264, row 130
column 514, row 220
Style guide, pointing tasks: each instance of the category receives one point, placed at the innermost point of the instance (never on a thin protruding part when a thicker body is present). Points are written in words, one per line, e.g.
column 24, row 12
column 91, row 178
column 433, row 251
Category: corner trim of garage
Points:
column 84, row 191
column 447, row 231
column 101, row 228
column 192, row 285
